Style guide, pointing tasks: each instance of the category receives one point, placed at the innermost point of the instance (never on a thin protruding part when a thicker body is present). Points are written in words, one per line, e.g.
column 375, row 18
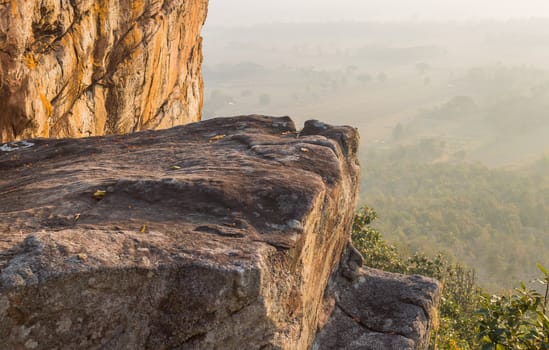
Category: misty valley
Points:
column 287, row 175
column 454, row 118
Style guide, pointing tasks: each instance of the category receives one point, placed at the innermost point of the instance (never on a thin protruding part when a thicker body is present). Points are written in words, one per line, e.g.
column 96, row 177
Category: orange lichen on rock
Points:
column 47, row 105
column 13, row 7
column 30, row 61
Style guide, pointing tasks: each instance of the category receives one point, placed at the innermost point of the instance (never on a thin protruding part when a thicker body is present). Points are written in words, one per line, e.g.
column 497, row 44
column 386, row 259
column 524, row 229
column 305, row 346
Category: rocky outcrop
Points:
column 95, row 67
column 373, row 309
column 225, row 234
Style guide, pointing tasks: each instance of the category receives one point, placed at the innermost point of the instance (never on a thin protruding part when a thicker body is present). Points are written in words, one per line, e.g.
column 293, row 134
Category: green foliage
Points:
column 376, row 252
column 460, row 298
column 468, row 318
column 494, row 220
column 517, row 321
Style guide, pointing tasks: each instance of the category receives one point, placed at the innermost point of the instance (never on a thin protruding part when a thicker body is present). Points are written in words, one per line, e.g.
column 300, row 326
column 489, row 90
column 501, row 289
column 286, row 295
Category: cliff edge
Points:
column 95, row 67
column 225, row 234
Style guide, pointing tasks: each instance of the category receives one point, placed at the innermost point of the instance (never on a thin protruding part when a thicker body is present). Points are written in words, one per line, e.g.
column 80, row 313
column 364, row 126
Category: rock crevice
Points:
column 373, row 309
column 73, row 69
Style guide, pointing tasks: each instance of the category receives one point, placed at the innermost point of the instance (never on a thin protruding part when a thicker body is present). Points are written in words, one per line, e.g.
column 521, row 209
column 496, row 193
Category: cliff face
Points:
column 374, row 310
column 225, row 234
column 93, row 67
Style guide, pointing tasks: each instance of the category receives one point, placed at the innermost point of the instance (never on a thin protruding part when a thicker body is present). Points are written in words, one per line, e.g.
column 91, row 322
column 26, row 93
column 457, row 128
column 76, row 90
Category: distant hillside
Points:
column 452, row 118
column 497, row 221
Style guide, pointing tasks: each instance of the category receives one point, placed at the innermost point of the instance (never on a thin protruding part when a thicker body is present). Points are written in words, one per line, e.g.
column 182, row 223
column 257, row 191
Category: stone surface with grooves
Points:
column 93, row 67
column 225, row 234
column 210, row 235
column 373, row 309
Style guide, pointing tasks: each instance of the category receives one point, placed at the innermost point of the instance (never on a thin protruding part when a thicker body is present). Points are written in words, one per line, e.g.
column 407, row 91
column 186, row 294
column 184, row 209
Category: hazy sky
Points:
column 230, row 12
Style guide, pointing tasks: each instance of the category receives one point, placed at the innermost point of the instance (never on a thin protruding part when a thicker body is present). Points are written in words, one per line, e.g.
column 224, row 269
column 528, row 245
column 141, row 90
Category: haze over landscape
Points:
column 451, row 99
column 246, row 12
column 294, row 175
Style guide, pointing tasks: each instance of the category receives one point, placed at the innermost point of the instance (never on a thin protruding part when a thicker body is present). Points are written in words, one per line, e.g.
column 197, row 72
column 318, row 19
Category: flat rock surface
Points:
column 206, row 236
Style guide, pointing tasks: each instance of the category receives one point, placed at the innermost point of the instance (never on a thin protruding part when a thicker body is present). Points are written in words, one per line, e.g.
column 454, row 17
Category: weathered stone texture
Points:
column 93, row 67
column 224, row 234
column 217, row 235
column 373, row 309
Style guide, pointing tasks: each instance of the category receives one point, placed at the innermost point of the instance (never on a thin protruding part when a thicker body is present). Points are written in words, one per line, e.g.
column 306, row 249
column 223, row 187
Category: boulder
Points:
column 221, row 234
column 373, row 309
column 95, row 67
column 225, row 234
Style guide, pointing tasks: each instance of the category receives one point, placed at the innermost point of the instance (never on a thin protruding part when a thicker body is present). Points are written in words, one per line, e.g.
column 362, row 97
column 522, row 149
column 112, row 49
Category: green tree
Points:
column 468, row 318
column 517, row 321
column 376, row 252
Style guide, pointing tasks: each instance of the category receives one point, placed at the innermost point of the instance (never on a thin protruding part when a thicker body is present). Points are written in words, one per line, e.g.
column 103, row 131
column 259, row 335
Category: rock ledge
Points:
column 225, row 234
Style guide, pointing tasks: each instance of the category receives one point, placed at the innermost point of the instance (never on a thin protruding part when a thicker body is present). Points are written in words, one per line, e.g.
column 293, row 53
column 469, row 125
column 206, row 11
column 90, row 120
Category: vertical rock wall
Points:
column 71, row 68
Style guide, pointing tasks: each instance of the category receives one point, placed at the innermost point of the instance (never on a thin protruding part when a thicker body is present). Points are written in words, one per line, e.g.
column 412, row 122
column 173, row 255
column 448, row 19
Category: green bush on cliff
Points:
column 460, row 299
column 375, row 250
column 468, row 318
column 516, row 321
